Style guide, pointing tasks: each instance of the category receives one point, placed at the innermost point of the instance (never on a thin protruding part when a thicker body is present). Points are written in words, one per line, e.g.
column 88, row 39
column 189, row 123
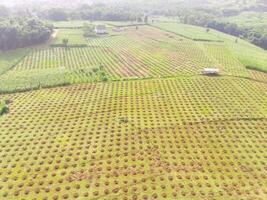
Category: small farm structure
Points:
column 101, row 29
column 211, row 71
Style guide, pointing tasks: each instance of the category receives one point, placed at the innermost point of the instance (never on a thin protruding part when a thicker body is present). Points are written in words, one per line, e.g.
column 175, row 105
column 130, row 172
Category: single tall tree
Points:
column 65, row 41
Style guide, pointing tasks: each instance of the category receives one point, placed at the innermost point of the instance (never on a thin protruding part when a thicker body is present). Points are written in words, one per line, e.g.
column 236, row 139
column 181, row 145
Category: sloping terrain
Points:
column 248, row 54
column 143, row 53
column 154, row 128
column 182, row 138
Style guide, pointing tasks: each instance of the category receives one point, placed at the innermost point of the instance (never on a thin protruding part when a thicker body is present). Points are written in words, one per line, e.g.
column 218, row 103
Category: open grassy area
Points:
column 75, row 36
column 188, row 31
column 182, row 138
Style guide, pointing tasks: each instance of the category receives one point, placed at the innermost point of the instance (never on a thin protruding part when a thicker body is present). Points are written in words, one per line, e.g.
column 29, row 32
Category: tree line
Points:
column 22, row 32
column 95, row 12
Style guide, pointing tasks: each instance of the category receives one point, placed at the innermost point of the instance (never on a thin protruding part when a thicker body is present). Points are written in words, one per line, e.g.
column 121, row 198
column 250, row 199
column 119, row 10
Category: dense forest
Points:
column 16, row 32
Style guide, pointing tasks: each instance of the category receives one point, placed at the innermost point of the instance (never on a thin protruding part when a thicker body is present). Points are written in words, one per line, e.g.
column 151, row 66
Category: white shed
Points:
column 211, row 71
column 100, row 29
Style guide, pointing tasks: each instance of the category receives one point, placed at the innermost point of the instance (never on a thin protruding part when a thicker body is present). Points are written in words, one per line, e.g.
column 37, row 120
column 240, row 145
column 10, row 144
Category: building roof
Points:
column 211, row 70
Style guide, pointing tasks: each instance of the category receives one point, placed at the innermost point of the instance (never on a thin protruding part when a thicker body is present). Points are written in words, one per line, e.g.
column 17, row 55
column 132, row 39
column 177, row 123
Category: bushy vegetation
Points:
column 3, row 107
column 16, row 32
column 89, row 30
column 94, row 12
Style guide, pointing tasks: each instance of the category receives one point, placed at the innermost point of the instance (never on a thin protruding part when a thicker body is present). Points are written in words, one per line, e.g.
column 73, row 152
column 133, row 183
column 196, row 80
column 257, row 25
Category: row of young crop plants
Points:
column 133, row 54
column 165, row 139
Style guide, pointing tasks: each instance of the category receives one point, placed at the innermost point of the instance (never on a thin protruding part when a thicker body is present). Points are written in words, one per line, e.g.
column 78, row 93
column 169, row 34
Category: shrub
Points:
column 3, row 107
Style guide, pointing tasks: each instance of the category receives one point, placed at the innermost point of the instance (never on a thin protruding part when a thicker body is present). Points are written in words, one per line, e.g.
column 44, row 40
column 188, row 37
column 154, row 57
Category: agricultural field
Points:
column 74, row 36
column 188, row 31
column 248, row 54
column 143, row 53
column 175, row 138
column 130, row 116
column 10, row 59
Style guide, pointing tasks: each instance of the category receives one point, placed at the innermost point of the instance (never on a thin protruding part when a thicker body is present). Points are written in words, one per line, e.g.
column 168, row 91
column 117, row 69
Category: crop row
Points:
column 225, row 60
column 147, row 52
column 152, row 139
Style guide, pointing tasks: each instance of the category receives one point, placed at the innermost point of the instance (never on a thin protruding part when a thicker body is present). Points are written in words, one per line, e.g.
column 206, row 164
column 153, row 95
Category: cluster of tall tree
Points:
column 16, row 32
column 99, row 12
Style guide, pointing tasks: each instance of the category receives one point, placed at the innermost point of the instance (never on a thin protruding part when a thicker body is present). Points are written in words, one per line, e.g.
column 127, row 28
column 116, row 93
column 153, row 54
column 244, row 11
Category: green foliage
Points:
column 65, row 42
column 89, row 30
column 57, row 14
column 16, row 32
column 3, row 107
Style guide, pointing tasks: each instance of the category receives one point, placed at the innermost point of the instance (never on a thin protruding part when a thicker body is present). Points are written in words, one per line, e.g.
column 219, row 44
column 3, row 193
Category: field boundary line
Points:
column 181, row 35
column 15, row 63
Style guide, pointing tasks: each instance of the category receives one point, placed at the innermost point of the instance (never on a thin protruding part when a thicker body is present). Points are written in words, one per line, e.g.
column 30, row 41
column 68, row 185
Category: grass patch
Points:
column 188, row 31
column 257, row 69
column 74, row 36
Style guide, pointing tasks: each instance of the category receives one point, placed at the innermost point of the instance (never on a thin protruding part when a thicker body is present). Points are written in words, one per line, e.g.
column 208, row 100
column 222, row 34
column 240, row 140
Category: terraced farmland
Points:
column 182, row 138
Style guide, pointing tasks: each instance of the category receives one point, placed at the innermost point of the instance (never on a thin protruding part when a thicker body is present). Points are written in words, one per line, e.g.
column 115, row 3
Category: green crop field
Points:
column 130, row 116
column 10, row 59
column 189, row 31
column 180, row 138
column 143, row 53
column 75, row 36
column 248, row 54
